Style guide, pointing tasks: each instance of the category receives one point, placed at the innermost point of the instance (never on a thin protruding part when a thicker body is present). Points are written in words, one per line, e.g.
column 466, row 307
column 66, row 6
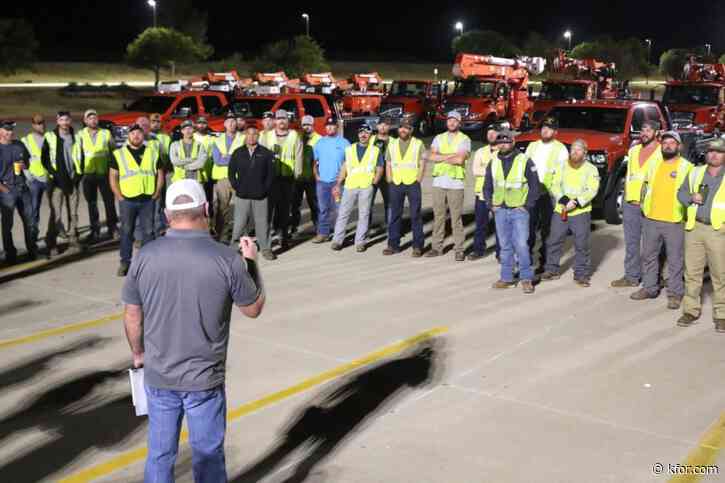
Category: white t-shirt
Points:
column 541, row 157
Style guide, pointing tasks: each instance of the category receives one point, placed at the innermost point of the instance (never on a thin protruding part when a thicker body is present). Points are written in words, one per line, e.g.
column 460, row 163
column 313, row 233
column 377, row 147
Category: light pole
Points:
column 708, row 47
column 459, row 28
column 152, row 4
column 649, row 57
column 307, row 23
column 567, row 35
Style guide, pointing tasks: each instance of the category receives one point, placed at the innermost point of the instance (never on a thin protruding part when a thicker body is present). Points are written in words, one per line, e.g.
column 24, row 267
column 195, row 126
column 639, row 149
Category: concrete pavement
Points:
column 566, row 385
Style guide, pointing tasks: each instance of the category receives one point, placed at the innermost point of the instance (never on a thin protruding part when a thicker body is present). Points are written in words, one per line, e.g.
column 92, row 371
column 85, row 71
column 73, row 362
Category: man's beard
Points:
column 669, row 155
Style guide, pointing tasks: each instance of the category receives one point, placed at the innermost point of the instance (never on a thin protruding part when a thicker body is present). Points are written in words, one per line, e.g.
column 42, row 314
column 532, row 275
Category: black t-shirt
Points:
column 9, row 154
column 138, row 157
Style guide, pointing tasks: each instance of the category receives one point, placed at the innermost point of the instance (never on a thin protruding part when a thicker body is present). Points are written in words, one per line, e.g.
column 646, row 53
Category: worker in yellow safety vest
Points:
column 266, row 135
column 481, row 159
column 639, row 160
column 363, row 167
column 136, row 181
column 663, row 223
column 92, row 152
column 188, row 156
column 572, row 187
column 305, row 185
column 36, row 174
column 404, row 169
column 449, row 152
column 548, row 155
column 703, row 195
column 511, row 188
column 222, row 149
column 288, row 151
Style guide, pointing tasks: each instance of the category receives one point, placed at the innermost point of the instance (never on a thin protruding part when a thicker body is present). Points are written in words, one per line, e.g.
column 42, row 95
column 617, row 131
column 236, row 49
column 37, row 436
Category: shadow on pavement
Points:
column 74, row 417
column 334, row 419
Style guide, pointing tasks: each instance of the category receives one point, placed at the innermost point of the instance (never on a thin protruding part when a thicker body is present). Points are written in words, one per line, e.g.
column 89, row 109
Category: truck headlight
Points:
column 598, row 159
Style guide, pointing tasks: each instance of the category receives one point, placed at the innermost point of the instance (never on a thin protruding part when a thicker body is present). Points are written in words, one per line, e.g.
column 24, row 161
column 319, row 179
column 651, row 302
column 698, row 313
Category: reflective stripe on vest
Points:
column 218, row 171
column 682, row 170
column 95, row 155
column 180, row 172
column 445, row 169
column 514, row 189
column 574, row 182
column 287, row 153
column 485, row 159
column 552, row 162
column 717, row 213
column 405, row 168
column 36, row 166
column 135, row 180
column 52, row 140
column 636, row 174
column 165, row 142
column 360, row 173
column 308, row 155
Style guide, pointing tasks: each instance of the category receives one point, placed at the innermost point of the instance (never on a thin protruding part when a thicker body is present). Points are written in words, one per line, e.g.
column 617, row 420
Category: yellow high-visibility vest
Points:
column 552, row 162
column 361, row 172
column 135, row 180
column 222, row 172
column 36, row 166
column 650, row 185
column 308, row 154
column 287, row 154
column 444, row 147
column 717, row 212
column 485, row 157
column 405, row 168
column 636, row 174
column 580, row 184
column 95, row 154
column 514, row 189
column 180, row 172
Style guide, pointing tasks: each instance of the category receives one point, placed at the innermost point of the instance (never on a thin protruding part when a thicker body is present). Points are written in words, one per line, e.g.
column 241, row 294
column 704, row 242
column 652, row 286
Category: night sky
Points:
column 422, row 31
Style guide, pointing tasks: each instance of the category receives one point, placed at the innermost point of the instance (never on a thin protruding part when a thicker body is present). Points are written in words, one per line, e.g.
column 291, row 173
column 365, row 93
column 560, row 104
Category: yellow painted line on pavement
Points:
column 44, row 334
column 705, row 453
column 133, row 456
column 23, row 266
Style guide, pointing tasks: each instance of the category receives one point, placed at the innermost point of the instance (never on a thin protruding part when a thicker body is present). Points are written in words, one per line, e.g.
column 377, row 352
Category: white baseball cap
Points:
column 185, row 187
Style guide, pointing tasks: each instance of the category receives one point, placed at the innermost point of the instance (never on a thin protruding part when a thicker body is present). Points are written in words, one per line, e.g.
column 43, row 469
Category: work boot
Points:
column 390, row 251
column 527, row 286
column 321, row 239
column 548, row 276
column 122, row 269
column 582, row 282
column 417, row 253
column 473, row 256
column 336, row 247
column 673, row 303
column 432, row 253
column 719, row 325
column 460, row 257
column 268, row 254
column 284, row 244
column 501, row 285
column 686, row 320
column 361, row 248
column 642, row 294
column 92, row 238
column 624, row 282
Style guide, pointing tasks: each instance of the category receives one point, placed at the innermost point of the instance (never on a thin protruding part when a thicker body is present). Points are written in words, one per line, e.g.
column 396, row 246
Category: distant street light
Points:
column 459, row 28
column 152, row 4
column 708, row 47
column 307, row 23
column 649, row 55
column 567, row 35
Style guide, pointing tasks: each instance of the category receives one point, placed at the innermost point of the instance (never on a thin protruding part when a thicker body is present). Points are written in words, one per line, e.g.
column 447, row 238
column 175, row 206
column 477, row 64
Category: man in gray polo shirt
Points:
column 178, row 300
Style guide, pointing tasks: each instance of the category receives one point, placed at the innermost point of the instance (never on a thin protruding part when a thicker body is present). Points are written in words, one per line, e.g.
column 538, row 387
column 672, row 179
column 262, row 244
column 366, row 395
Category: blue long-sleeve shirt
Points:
column 532, row 179
column 220, row 160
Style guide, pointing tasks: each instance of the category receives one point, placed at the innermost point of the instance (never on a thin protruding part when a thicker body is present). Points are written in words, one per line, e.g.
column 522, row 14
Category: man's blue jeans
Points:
column 512, row 227
column 327, row 206
column 131, row 211
column 397, row 199
column 37, row 190
column 17, row 198
column 206, row 419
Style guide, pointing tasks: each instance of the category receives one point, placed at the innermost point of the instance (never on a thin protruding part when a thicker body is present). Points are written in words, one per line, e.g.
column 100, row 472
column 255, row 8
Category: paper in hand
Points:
column 138, row 393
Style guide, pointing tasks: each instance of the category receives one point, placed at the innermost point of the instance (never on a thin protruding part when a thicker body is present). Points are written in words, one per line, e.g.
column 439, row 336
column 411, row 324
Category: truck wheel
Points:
column 614, row 204
column 424, row 128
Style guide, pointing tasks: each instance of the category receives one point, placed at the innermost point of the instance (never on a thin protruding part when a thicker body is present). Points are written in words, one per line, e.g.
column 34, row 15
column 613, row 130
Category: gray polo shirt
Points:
column 186, row 284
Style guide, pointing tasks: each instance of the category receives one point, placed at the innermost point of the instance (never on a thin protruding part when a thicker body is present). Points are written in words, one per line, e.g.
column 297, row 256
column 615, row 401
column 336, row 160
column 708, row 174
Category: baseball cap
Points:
column 135, row 127
column 672, row 134
column 281, row 114
column 230, row 115
column 186, row 123
column 7, row 124
column 716, row 145
column 454, row 115
column 365, row 128
column 185, row 187
column 331, row 121
column 308, row 121
column 550, row 122
column 268, row 115
column 201, row 120
column 89, row 112
column 505, row 136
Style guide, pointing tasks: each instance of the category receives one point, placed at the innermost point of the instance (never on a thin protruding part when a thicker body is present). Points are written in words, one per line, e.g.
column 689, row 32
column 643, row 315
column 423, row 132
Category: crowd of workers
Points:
column 257, row 179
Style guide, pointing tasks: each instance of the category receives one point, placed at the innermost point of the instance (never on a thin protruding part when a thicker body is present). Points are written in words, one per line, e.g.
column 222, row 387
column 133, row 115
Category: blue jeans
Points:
column 479, row 236
column 130, row 212
column 512, row 227
column 327, row 206
column 37, row 190
column 206, row 419
column 17, row 198
column 397, row 199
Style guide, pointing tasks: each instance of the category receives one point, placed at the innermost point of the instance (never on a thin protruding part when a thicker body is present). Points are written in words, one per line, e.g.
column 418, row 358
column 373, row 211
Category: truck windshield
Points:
column 152, row 104
column 474, row 88
column 407, row 89
column 551, row 91
column 252, row 108
column 691, row 94
column 604, row 119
